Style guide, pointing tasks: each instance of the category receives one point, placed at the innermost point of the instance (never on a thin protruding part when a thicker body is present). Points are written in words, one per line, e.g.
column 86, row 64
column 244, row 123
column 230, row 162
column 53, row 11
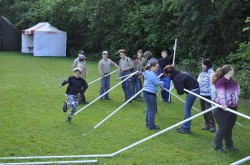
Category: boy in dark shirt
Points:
column 77, row 85
column 163, row 62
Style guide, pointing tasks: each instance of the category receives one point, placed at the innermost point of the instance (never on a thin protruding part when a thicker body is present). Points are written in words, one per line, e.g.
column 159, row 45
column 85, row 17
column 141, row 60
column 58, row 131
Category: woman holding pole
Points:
column 151, row 83
column 228, row 92
column 207, row 90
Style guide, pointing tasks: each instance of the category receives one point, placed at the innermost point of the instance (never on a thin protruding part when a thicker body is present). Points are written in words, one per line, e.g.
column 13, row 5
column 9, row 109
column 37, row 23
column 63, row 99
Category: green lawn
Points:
column 33, row 123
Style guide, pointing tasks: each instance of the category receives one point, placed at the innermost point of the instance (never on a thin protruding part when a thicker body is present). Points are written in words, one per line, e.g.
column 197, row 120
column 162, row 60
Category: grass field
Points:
column 32, row 122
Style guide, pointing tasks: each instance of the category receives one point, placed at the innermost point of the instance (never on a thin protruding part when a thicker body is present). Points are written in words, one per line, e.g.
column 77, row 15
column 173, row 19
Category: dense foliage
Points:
column 204, row 29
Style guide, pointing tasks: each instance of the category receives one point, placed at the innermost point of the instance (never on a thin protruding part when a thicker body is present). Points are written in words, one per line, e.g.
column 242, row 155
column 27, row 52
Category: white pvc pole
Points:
column 56, row 157
column 163, row 131
column 241, row 161
column 175, row 45
column 53, row 162
column 127, row 75
column 102, row 77
column 179, row 98
column 228, row 109
column 121, row 106
column 105, row 93
column 118, row 108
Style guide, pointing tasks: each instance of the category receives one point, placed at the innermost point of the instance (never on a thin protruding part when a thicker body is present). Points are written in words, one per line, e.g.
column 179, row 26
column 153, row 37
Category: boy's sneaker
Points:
column 221, row 150
column 65, row 107
column 178, row 129
column 205, row 128
column 155, row 127
column 183, row 131
column 232, row 148
column 212, row 129
column 85, row 102
column 69, row 119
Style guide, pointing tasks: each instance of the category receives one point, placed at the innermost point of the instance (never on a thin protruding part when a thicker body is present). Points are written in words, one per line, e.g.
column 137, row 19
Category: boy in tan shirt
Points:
column 126, row 67
column 104, row 69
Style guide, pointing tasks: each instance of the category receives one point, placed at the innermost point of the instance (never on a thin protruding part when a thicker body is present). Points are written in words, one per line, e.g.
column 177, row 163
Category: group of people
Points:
column 216, row 86
column 219, row 87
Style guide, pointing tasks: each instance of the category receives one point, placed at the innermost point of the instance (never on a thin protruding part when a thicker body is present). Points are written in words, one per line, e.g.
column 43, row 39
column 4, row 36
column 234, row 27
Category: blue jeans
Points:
column 150, row 99
column 105, row 86
column 187, row 108
column 164, row 94
column 126, row 85
column 135, row 86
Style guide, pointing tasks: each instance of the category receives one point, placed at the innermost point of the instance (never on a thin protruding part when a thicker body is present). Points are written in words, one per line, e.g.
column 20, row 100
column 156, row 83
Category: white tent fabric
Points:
column 44, row 40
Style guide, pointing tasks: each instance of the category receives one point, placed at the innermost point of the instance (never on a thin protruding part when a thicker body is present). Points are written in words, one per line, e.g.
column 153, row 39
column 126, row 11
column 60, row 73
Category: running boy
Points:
column 77, row 85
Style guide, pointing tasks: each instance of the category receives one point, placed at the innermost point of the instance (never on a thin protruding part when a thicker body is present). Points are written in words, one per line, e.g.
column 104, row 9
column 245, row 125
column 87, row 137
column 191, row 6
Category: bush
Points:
column 190, row 65
column 240, row 60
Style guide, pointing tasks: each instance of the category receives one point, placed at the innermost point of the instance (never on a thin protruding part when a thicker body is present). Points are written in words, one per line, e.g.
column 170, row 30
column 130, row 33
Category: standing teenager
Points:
column 207, row 90
column 125, row 67
column 151, row 84
column 80, row 63
column 163, row 62
column 228, row 92
column 104, row 70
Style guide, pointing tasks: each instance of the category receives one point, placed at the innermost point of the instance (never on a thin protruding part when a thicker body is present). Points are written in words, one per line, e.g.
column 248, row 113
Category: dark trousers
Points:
column 225, row 121
column 126, row 85
column 208, row 117
column 135, row 86
column 82, row 97
column 164, row 94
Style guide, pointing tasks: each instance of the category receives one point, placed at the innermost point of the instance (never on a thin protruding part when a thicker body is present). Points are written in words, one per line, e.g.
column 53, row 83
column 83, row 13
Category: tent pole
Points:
column 163, row 131
column 121, row 106
column 104, row 93
column 102, row 77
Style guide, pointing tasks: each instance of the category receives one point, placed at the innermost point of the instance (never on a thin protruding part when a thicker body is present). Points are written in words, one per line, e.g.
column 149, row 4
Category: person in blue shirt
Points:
column 151, row 84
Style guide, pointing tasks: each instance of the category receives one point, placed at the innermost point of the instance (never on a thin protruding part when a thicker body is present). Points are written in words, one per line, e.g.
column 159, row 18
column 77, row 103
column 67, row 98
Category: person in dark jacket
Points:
column 77, row 85
column 183, row 80
column 163, row 62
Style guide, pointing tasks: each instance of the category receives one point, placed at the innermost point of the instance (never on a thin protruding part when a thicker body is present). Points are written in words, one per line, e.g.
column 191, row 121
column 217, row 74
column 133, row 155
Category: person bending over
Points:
column 183, row 80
